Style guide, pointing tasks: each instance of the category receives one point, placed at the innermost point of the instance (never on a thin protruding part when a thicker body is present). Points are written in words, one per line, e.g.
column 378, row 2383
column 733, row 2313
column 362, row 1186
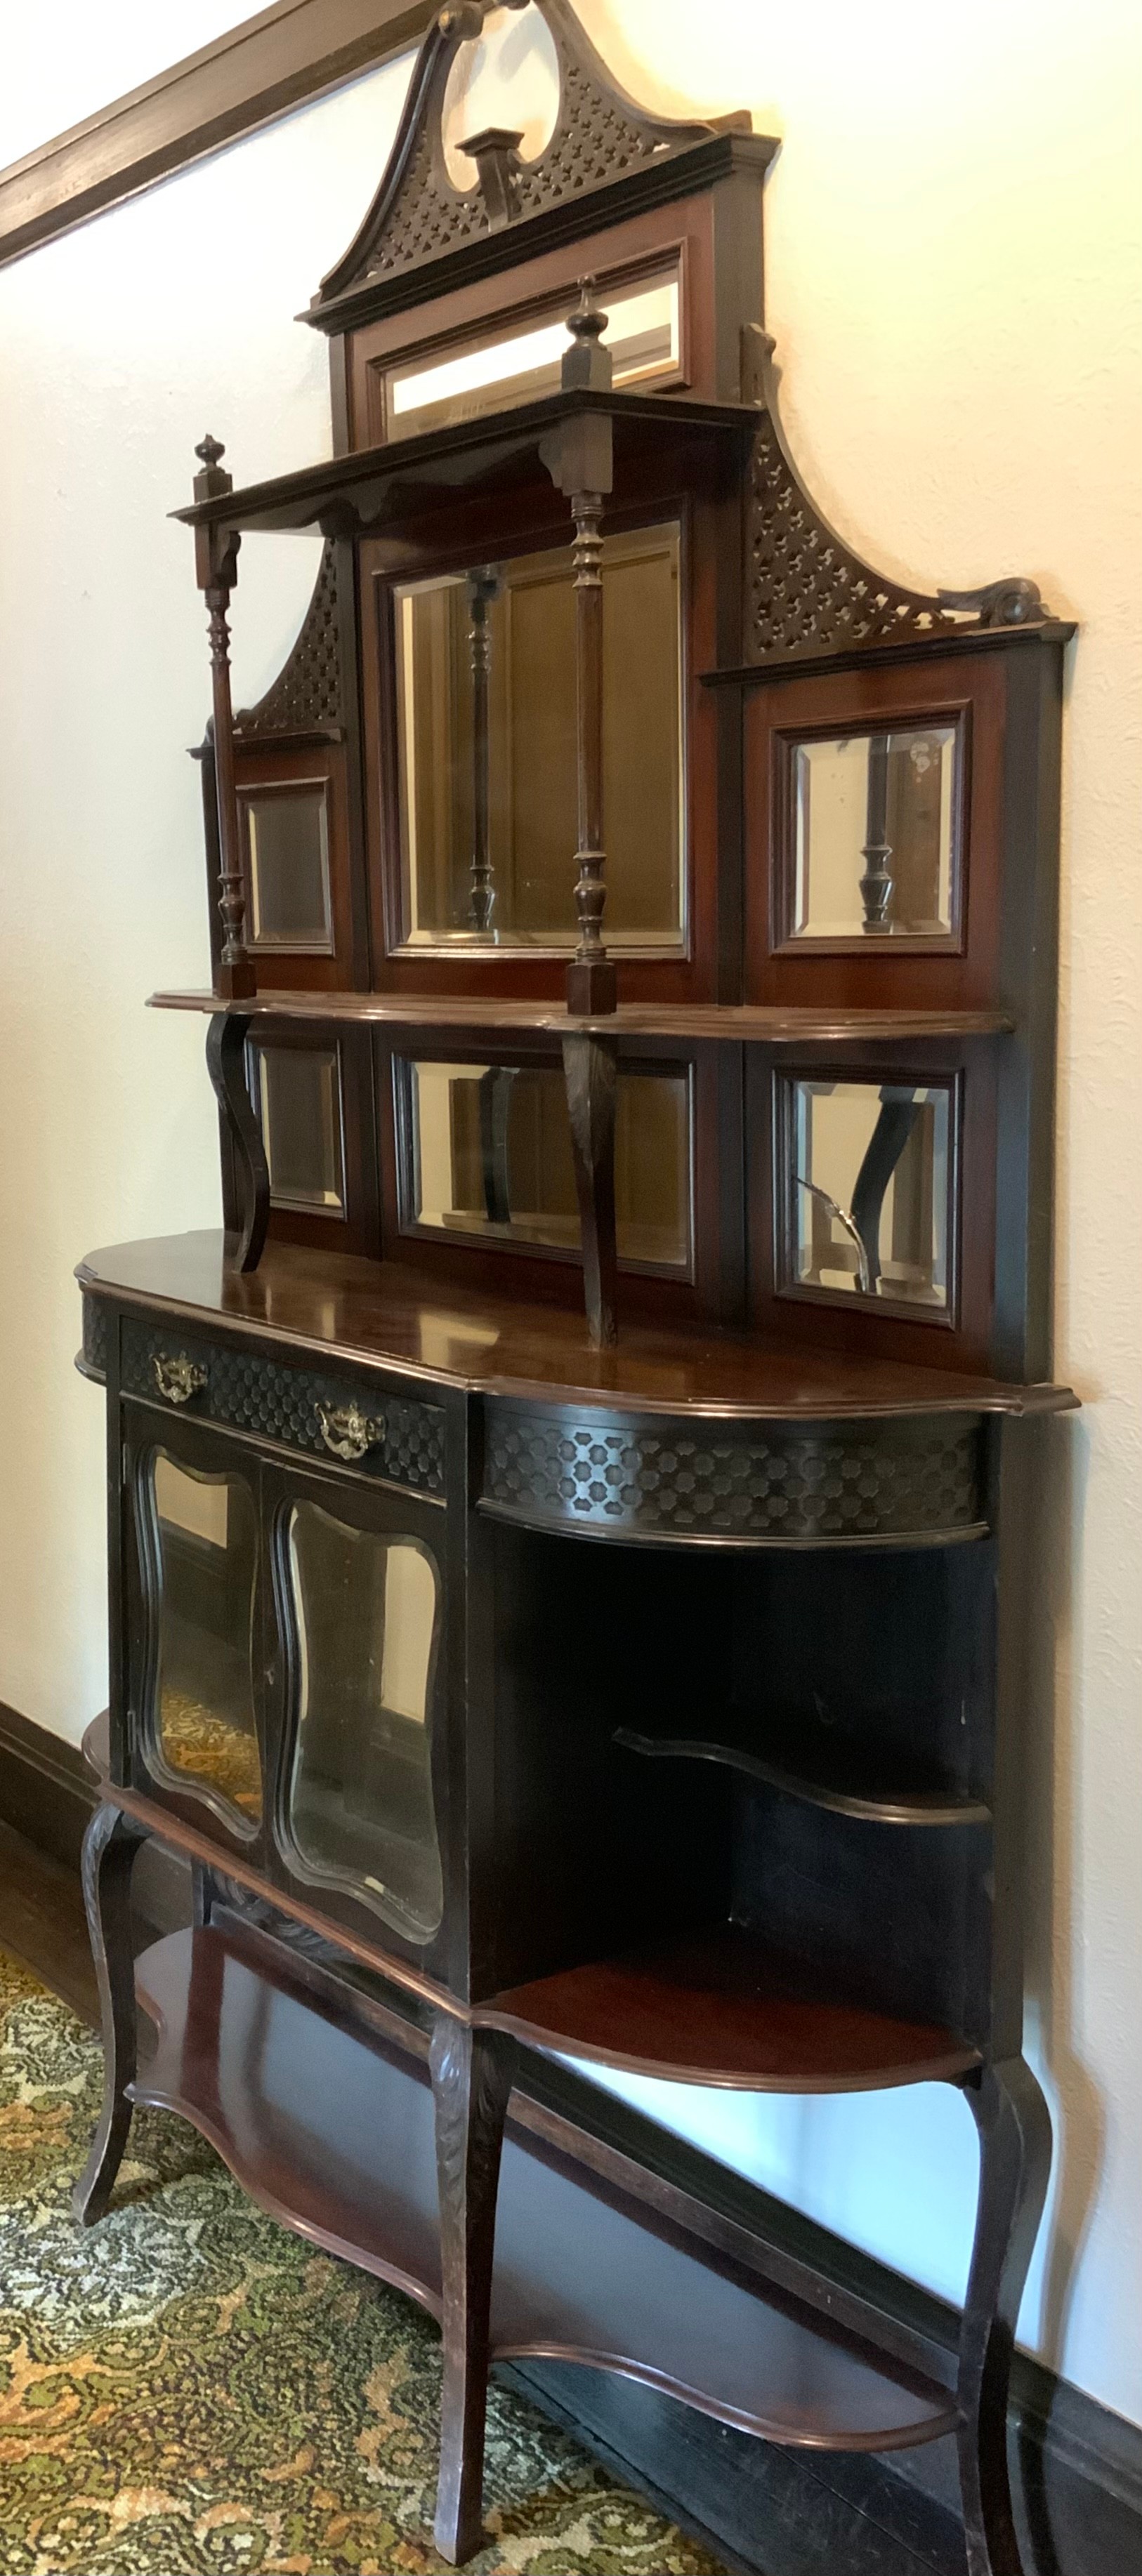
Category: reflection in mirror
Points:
column 204, row 1533
column 875, row 827
column 287, row 864
column 484, row 373
column 490, row 1156
column 870, row 1183
column 297, row 1094
column 488, row 782
column 360, row 1810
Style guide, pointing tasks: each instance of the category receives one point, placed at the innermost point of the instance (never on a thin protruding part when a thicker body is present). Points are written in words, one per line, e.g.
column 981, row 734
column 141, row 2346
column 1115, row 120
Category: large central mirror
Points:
column 485, row 672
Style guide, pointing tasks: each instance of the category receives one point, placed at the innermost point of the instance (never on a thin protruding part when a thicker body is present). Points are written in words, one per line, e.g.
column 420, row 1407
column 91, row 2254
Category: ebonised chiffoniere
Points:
column 567, row 1531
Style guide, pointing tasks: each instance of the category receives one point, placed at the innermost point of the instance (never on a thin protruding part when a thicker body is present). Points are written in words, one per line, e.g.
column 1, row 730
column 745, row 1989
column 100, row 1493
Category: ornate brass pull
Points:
column 346, row 1430
column 177, row 1378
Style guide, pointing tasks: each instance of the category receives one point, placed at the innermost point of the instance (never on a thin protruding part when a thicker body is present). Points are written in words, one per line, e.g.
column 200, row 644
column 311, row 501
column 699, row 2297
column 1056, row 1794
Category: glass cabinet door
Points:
column 362, row 1609
column 198, row 1546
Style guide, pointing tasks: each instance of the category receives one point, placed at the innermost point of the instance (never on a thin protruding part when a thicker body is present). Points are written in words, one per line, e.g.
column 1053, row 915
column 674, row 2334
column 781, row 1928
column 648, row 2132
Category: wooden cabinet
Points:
column 571, row 1556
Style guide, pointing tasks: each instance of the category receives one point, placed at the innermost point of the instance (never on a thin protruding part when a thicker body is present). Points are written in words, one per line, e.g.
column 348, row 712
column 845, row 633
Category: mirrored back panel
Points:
column 485, row 370
column 866, row 1182
column 285, row 831
column 486, row 751
column 297, row 1095
column 486, row 1156
column 875, row 820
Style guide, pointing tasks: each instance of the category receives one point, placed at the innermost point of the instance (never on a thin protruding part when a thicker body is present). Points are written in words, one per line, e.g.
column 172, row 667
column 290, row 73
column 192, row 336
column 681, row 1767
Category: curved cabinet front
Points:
column 885, row 1480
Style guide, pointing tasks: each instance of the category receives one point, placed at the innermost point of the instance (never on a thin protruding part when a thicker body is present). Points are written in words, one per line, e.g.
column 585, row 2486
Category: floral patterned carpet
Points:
column 188, row 2387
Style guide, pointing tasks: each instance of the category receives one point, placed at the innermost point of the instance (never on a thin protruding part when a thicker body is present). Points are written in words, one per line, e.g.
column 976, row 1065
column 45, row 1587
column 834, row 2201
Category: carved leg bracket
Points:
column 1014, row 2128
column 591, row 1073
column 471, row 2081
column 226, row 1064
column 109, row 1848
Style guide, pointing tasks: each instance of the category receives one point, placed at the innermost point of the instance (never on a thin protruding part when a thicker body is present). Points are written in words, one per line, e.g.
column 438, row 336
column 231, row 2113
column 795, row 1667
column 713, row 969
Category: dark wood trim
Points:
column 273, row 62
column 46, row 1789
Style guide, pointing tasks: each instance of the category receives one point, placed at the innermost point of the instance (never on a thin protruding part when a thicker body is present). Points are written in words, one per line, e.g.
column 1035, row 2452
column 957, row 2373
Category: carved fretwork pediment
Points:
column 417, row 215
column 808, row 594
column 306, row 696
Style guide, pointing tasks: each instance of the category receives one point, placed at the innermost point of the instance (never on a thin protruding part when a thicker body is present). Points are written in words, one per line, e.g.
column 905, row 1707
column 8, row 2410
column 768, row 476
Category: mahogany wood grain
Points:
column 339, row 2143
column 386, row 1315
column 734, row 1022
column 720, row 2009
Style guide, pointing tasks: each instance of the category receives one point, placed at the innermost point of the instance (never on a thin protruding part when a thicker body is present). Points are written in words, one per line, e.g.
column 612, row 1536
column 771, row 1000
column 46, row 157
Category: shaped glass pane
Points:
column 490, row 1156
column 287, row 856
column 204, row 1530
column 298, row 1097
column 875, row 825
column 360, row 1811
column 871, row 1198
column 486, row 723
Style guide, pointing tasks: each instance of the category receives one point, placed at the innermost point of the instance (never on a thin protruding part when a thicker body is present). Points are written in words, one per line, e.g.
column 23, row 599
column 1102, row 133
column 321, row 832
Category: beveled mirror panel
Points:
column 286, row 834
column 875, row 823
column 358, row 1808
column 204, row 1553
column 297, row 1094
column 489, row 1157
column 485, row 373
column 485, row 664
column 869, row 1200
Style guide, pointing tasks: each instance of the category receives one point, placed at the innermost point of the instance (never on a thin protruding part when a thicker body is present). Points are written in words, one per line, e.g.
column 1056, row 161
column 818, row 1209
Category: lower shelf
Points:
column 719, row 2008
column 332, row 2132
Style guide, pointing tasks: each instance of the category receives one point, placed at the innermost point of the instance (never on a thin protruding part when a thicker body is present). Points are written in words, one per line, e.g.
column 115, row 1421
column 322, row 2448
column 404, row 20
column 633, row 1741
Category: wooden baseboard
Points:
column 1077, row 2468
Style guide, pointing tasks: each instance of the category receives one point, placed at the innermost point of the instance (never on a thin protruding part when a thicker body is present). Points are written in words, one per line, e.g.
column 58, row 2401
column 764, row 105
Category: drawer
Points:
column 327, row 1413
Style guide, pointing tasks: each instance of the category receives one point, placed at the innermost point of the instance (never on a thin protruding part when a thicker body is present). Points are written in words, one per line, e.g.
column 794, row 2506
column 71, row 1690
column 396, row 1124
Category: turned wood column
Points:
column 216, row 563
column 579, row 456
column 483, row 588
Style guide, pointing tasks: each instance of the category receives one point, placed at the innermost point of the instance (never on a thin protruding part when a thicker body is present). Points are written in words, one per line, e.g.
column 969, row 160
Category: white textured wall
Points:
column 954, row 268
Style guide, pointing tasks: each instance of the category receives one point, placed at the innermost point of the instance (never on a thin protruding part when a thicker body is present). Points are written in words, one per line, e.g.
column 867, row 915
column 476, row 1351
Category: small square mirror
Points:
column 489, row 1157
column 869, row 1173
column 297, row 1094
column 286, row 832
column 875, row 829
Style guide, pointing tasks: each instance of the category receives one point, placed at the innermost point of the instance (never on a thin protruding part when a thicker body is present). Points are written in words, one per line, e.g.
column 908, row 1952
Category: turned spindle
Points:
column 216, row 563
column 587, row 479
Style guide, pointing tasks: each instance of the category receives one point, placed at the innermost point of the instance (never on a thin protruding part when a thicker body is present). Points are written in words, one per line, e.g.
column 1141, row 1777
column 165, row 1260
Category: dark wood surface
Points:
column 384, row 1314
column 765, row 1024
column 254, row 72
column 577, row 2275
column 721, row 2009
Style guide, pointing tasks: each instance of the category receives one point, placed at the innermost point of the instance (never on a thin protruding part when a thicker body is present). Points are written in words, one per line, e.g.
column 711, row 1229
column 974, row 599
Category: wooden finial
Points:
column 586, row 364
column 213, row 479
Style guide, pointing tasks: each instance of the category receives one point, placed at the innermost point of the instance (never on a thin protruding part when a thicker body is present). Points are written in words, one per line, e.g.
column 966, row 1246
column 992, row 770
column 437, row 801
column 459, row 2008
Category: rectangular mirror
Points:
column 489, row 1156
column 485, row 373
column 485, row 673
column 869, row 1190
column 297, row 1095
column 875, row 823
column 286, row 834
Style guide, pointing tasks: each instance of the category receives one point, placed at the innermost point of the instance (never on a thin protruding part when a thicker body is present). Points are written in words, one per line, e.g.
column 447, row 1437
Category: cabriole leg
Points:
column 109, row 1848
column 226, row 1064
column 471, row 2081
column 1014, row 2128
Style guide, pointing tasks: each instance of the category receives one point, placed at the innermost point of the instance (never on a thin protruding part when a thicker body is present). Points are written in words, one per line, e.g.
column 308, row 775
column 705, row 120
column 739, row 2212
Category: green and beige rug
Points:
column 187, row 2387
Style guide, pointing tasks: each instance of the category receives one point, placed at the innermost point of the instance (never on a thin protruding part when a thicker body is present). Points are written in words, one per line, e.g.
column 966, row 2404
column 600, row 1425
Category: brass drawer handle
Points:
column 346, row 1430
column 177, row 1378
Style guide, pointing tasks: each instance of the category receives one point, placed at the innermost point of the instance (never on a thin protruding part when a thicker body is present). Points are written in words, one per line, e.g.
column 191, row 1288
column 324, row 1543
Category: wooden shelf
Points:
column 387, row 1315
column 720, row 2009
column 822, row 1770
column 333, row 2133
column 373, row 487
column 741, row 1022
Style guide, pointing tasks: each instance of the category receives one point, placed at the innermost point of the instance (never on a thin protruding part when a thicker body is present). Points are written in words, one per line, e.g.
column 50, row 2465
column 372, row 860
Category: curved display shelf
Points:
column 333, row 2133
column 742, row 1022
column 886, row 1807
column 722, row 2009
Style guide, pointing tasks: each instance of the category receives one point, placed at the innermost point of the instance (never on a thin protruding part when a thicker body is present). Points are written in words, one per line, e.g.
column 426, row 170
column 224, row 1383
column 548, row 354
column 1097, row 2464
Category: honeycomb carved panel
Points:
column 784, row 1485
column 96, row 1327
column 306, row 695
column 246, row 1392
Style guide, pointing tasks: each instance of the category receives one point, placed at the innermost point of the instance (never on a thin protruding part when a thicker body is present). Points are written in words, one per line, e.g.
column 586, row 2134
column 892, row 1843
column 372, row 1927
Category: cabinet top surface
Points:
column 386, row 1314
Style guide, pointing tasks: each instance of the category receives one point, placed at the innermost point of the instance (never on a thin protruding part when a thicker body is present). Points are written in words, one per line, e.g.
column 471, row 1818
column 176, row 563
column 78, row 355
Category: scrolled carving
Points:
column 417, row 214
column 808, row 593
column 306, row 696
